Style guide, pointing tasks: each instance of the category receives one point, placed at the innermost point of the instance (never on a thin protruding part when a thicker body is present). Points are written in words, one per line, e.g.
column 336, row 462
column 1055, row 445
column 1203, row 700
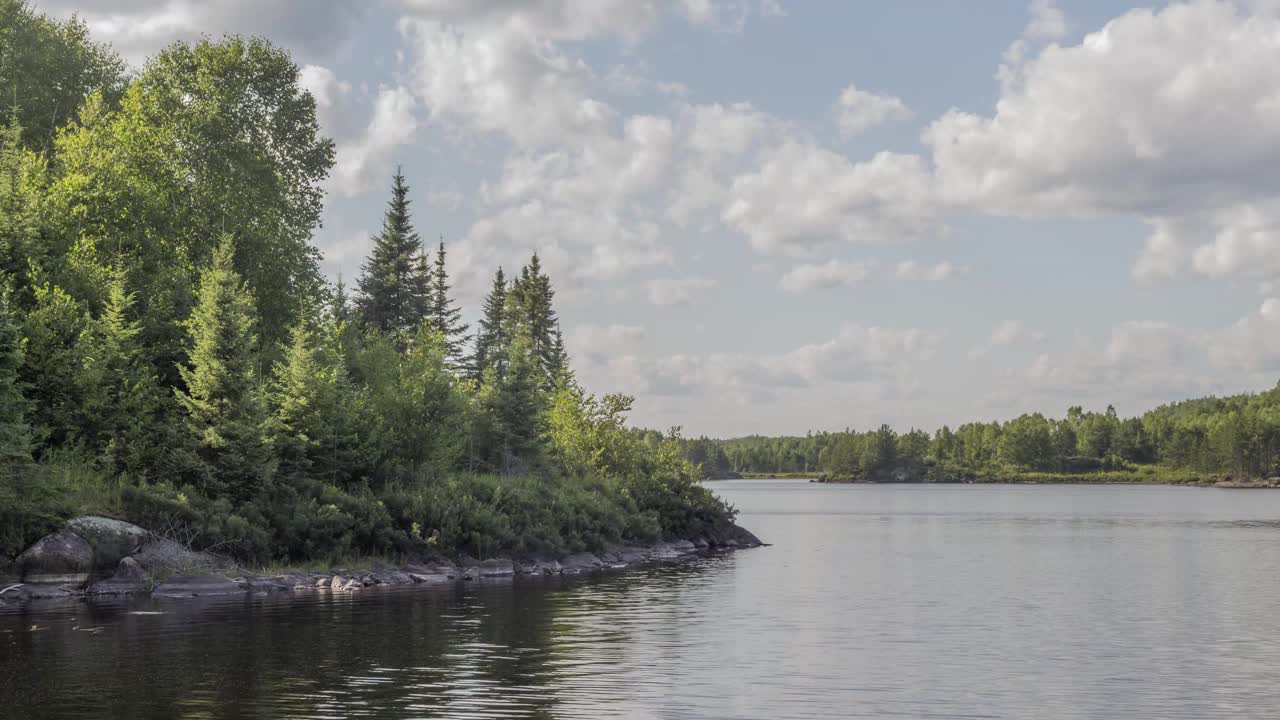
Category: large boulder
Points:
column 188, row 586
column 129, row 578
column 112, row 540
column 63, row 558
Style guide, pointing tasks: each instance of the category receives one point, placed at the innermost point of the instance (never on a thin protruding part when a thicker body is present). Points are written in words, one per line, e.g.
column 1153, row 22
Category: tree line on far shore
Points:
column 171, row 354
column 1229, row 437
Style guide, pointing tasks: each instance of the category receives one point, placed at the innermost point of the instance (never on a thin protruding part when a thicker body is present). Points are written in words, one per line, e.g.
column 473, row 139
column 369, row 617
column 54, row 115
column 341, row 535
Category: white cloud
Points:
column 1252, row 344
column 859, row 110
column 833, row 273
column 803, row 197
column 138, row 29
column 1006, row 333
column 677, row 290
column 944, row 270
column 503, row 78
column 365, row 161
column 884, row 358
column 598, row 343
column 1171, row 116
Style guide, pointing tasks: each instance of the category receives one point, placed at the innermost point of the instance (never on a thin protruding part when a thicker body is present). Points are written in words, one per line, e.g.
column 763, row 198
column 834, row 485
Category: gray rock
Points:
column 260, row 585
column 633, row 555
column 61, row 558
column 129, row 578
column 429, row 577
column 683, row 547
column 580, row 562
column 497, row 567
column 187, row 586
column 112, row 540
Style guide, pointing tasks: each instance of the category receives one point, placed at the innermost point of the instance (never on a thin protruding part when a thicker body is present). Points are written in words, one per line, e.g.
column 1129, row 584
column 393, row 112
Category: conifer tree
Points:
column 15, row 432
column 315, row 406
column 122, row 411
column 17, row 216
column 515, row 408
column 227, row 413
column 491, row 341
column 390, row 281
column 447, row 316
column 530, row 311
column 424, row 290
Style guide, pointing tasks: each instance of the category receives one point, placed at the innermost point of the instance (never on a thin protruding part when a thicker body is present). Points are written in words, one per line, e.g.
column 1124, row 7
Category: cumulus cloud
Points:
column 944, row 270
column 1170, row 116
column 139, row 28
column 886, row 358
column 804, row 196
column 859, row 110
column 833, row 273
column 365, row 160
column 1006, row 333
column 677, row 290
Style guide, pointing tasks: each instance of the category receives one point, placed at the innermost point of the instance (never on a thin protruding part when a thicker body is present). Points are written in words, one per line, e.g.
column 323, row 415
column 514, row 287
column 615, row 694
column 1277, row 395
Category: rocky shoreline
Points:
column 97, row 556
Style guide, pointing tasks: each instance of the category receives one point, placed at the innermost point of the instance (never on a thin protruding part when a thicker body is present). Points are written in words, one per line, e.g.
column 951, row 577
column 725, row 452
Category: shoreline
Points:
column 202, row 575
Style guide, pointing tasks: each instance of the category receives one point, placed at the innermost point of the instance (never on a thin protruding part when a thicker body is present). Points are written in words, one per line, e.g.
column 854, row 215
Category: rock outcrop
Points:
column 129, row 578
column 63, row 558
column 112, row 540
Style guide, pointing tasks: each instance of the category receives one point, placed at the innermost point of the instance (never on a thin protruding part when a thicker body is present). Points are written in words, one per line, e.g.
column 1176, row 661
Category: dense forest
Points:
column 1234, row 437
column 171, row 354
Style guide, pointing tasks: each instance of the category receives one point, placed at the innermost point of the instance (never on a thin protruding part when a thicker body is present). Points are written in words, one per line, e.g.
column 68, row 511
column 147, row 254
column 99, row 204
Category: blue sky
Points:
column 769, row 216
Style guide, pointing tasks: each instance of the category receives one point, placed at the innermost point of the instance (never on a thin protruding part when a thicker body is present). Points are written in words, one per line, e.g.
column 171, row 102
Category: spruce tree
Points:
column 390, row 279
column 227, row 415
column 18, row 228
column 444, row 313
column 315, row 406
column 530, row 311
column 516, row 409
column 490, row 347
column 15, row 431
column 122, row 410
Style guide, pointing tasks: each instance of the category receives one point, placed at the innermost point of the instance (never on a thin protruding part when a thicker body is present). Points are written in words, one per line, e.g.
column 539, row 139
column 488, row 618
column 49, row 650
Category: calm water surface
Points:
column 874, row 601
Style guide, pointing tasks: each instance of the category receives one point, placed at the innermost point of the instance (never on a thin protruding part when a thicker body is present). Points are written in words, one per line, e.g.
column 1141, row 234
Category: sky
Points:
column 772, row 217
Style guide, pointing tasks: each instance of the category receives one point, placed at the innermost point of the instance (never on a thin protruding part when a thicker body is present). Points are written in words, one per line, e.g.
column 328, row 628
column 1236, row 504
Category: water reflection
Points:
column 873, row 602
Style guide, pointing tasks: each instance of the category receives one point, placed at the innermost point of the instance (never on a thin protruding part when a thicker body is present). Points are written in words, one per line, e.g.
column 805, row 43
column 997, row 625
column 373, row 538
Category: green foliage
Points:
column 48, row 67
column 491, row 338
column 227, row 415
column 170, row 355
column 396, row 292
column 445, row 316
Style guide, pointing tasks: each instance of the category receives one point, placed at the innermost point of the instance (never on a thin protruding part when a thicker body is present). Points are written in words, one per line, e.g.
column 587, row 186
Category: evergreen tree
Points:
column 424, row 289
column 122, row 413
column 227, row 415
column 15, row 432
column 18, row 228
column 491, row 341
column 530, row 311
column 515, row 406
column 316, row 408
column 390, row 280
column 446, row 316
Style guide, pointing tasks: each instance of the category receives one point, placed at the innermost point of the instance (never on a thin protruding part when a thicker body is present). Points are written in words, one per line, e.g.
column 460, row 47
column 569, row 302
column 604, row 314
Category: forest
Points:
column 1235, row 437
column 172, row 355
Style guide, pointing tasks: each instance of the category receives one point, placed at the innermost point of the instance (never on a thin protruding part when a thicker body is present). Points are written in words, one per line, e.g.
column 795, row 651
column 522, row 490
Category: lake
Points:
column 960, row 601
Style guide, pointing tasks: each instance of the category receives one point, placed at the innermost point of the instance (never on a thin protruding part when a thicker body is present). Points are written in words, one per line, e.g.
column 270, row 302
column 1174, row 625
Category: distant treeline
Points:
column 1237, row 437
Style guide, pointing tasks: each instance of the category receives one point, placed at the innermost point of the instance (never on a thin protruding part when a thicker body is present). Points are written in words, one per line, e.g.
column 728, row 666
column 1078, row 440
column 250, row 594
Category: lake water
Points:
column 874, row 601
